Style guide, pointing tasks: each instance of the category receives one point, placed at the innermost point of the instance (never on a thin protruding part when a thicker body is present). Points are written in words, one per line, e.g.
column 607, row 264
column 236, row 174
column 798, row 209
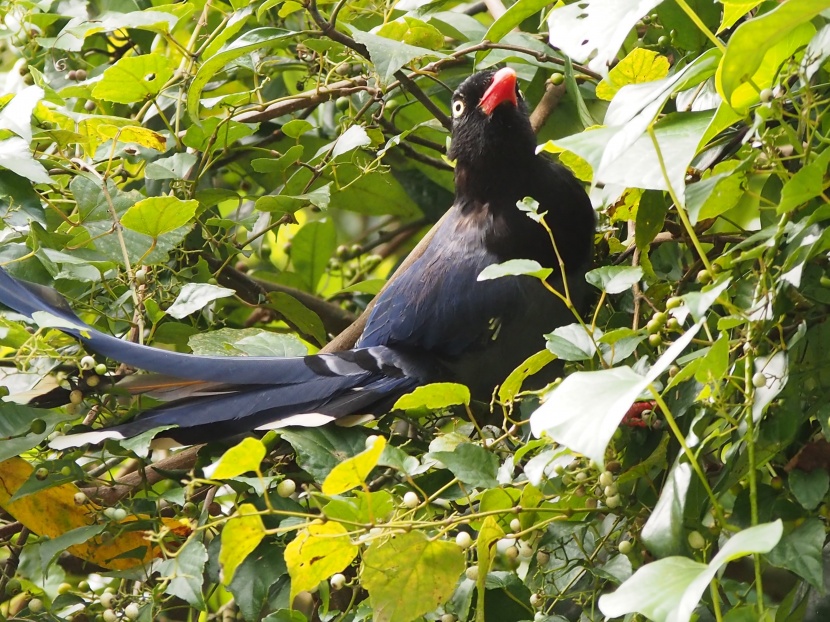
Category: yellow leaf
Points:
column 316, row 554
column 133, row 134
column 579, row 166
column 240, row 536
column 354, row 471
column 52, row 512
column 733, row 10
column 639, row 66
column 246, row 456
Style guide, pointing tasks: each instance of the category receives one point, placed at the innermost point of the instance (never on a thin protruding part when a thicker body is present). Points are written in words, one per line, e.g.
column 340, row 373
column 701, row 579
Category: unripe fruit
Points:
column 703, row 277
column 536, row 601
column 286, row 488
column 80, row 75
column 93, row 381
column 766, row 95
column 35, row 605
column 337, row 581
column 759, row 380
column 696, row 540
column 557, row 79
column 100, row 369
column 512, row 552
column 655, row 340
column 109, row 616
column 64, row 588
column 542, row 558
column 625, row 547
column 411, row 500
column 76, row 397
column 472, row 573
column 464, row 540
column 674, row 302
column 141, row 276
column 448, row 617
column 610, row 491
column 38, row 426
column 81, row 498
column 132, row 611
column 107, row 599
column 41, row 474
column 613, row 501
column 606, row 478
column 342, row 103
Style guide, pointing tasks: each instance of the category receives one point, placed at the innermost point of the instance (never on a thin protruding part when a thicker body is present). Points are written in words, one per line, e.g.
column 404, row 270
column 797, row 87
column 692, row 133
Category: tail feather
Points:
column 28, row 298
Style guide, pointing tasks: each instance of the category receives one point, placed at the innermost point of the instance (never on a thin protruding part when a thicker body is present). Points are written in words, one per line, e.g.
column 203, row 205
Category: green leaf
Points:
column 239, row 459
column 585, row 410
column 195, row 296
column 317, row 553
column 639, row 66
column 533, row 364
column 255, row 576
column 670, row 588
column 572, row 343
column 272, row 344
column 353, row 471
column 349, row 140
column 436, row 396
column 651, row 214
column 185, row 572
column 155, row 216
column 614, row 279
column 663, row 532
column 319, row 450
column 363, row 507
column 806, row 184
column 306, row 321
column 48, row 549
column 595, row 29
column 801, row 552
column 296, row 128
column 134, row 79
column 176, row 166
column 270, row 165
column 389, row 55
column 733, row 10
column 809, row 488
column 515, row 267
column 242, row 341
column 512, row 17
column 311, row 248
column 71, row 38
column 471, row 464
column 409, row 575
column 412, row 31
column 240, row 536
column 248, row 42
column 758, row 47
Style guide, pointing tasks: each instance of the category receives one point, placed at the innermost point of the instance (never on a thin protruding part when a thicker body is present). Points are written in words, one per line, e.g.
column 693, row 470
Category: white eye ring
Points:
column 457, row 108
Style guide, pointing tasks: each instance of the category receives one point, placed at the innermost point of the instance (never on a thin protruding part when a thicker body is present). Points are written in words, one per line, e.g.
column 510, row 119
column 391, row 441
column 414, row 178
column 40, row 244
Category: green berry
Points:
column 625, row 547
column 286, row 488
column 41, row 474
column 342, row 103
column 38, row 426
column 703, row 277
column 100, row 369
column 759, row 380
column 696, row 540
column 76, row 397
column 674, row 302
column 655, row 340
column 557, row 79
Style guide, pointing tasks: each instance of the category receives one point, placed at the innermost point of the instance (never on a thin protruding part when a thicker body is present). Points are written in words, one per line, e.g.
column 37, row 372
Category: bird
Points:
column 435, row 322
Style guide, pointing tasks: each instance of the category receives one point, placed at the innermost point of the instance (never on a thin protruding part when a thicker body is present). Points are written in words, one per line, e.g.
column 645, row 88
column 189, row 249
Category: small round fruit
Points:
column 448, row 617
column 93, row 381
column 703, row 277
column 759, row 380
column 141, row 276
column 625, row 547
column 606, row 478
column 81, row 498
column 89, row 105
column 87, row 363
column 776, row 483
column 512, row 552
column 664, row 41
column 613, row 501
column 696, row 540
column 516, row 525
column 370, row 441
column 132, row 611
column 581, row 476
column 286, row 488
column 13, row 587
column 107, row 598
column 537, row 601
column 591, row 503
column 337, row 581
column 766, row 95
column 557, row 79
column 660, row 317
column 542, row 558
column 472, row 573
column 464, row 540
column 66, row 470
column 655, row 340
column 41, row 474
column 673, row 324
column 76, row 397
column 38, row 426
column 674, row 302
column 525, row 551
column 411, row 500
column 342, row 103
column 109, row 616
column 35, row 605
column 80, row 74
column 101, row 369
column 653, row 327
column 610, row 491
column 119, row 514
column 64, row 588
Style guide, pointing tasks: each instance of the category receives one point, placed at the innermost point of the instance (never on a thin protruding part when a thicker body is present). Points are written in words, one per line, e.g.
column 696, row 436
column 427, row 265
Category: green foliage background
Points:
column 241, row 178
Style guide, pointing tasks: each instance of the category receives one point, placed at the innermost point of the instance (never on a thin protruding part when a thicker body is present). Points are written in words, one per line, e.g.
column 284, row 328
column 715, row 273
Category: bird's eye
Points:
column 457, row 108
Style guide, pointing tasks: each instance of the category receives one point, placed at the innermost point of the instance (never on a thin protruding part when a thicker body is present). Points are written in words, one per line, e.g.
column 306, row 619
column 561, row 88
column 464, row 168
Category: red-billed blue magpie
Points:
column 435, row 322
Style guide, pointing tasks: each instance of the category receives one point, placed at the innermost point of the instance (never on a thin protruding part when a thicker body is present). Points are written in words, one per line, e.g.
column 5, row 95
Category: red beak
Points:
column 502, row 89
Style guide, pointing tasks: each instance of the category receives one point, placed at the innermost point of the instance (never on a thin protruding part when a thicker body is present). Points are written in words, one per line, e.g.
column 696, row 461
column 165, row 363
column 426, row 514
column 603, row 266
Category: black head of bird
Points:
column 491, row 130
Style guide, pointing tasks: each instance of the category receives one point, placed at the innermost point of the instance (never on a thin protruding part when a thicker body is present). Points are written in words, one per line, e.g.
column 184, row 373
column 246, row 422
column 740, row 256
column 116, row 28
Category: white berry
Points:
column 337, row 581
column 132, row 611
column 87, row 363
column 35, row 605
column 411, row 500
column 472, row 573
column 516, row 525
column 464, row 540
column 109, row 616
